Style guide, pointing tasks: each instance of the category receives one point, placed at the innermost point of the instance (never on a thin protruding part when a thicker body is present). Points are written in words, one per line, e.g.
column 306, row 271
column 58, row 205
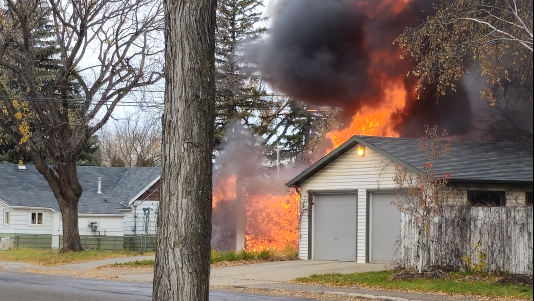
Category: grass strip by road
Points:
column 54, row 258
column 486, row 286
column 230, row 256
column 287, row 253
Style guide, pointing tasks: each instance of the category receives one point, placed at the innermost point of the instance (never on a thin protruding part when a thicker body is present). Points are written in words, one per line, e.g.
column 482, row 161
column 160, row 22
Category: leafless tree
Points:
column 100, row 51
column 509, row 117
column 420, row 195
column 496, row 35
column 135, row 141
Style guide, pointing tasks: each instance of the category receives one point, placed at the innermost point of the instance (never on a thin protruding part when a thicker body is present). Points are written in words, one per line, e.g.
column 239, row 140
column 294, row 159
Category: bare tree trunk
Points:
column 69, row 216
column 63, row 181
column 182, row 267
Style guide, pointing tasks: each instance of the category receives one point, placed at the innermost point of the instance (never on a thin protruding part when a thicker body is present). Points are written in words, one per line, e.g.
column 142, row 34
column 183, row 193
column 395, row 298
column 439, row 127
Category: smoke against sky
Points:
column 341, row 54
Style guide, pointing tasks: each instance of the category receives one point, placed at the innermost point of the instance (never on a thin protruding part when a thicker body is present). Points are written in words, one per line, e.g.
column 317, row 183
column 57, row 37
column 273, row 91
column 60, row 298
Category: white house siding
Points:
column 5, row 230
column 303, row 226
column 106, row 225
column 134, row 225
column 20, row 221
column 372, row 171
column 361, row 225
column 56, row 230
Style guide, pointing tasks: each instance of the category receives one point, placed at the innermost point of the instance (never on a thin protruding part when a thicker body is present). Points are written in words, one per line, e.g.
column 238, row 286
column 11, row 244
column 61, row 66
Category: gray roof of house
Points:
column 119, row 186
column 468, row 162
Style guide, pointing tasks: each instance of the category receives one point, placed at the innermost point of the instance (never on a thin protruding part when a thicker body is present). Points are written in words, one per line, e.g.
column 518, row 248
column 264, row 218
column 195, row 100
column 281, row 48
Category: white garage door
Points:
column 385, row 227
column 335, row 227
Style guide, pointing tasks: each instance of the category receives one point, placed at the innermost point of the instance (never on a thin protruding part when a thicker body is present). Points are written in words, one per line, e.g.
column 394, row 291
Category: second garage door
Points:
column 335, row 227
column 385, row 227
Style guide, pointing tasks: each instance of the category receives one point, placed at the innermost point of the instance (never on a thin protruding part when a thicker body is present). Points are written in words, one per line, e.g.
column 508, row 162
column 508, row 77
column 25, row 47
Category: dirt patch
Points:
column 470, row 278
column 223, row 264
column 412, row 275
column 517, row 279
column 301, row 294
column 115, row 273
column 119, row 272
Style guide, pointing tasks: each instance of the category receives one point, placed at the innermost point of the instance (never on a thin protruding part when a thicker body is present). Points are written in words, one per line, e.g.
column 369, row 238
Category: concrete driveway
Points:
column 275, row 272
column 284, row 270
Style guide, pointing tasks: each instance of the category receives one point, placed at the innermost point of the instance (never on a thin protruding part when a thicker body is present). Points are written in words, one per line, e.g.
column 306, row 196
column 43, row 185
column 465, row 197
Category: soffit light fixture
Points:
column 360, row 150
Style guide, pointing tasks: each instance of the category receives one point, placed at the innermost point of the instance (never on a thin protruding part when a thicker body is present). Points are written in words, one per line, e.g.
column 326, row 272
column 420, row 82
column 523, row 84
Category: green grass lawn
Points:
column 53, row 257
column 266, row 255
column 219, row 256
column 485, row 287
column 137, row 263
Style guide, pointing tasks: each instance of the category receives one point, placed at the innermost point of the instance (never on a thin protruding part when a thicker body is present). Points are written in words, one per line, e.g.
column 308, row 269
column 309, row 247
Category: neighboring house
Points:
column 346, row 198
column 111, row 205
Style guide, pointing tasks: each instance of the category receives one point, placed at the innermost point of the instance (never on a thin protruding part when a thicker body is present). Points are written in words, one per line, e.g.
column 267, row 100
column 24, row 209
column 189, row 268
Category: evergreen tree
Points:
column 238, row 93
column 90, row 156
column 294, row 129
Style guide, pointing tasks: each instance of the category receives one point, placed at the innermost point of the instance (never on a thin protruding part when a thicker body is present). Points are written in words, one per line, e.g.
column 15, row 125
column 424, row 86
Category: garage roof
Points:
column 468, row 162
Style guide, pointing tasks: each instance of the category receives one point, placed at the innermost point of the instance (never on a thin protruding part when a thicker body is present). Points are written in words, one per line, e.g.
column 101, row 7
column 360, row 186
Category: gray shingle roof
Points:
column 469, row 161
column 119, row 186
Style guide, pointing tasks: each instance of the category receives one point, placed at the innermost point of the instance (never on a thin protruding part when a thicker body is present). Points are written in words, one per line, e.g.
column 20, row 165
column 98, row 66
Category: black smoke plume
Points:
column 341, row 54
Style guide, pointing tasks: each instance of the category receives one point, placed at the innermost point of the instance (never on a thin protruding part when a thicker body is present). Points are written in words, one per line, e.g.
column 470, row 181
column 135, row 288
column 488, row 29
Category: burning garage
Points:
column 340, row 55
column 254, row 214
column 252, row 209
column 348, row 194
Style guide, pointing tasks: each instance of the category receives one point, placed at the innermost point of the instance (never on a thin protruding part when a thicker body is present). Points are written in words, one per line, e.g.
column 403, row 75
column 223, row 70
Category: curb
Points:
column 358, row 295
column 368, row 296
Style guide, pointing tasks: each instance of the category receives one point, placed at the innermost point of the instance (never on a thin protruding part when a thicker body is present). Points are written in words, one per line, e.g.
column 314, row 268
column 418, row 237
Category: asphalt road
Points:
column 16, row 286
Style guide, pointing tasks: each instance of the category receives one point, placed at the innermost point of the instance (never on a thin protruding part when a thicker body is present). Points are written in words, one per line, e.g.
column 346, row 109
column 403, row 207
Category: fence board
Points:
column 503, row 234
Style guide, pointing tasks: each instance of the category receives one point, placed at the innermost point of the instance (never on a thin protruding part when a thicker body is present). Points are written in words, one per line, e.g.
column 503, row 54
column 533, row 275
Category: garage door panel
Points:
column 385, row 227
column 335, row 227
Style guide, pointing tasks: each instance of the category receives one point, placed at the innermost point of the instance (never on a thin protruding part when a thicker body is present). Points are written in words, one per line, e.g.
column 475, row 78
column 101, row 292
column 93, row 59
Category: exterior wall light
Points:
column 360, row 150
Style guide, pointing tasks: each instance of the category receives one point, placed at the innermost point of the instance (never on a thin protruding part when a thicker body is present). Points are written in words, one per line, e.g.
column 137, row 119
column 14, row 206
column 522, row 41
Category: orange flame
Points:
column 272, row 221
column 224, row 191
column 374, row 121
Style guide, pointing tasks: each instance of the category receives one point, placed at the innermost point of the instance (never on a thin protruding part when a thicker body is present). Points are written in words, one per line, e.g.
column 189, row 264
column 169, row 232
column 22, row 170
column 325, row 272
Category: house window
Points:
column 36, row 218
column 529, row 198
column 486, row 198
column 6, row 217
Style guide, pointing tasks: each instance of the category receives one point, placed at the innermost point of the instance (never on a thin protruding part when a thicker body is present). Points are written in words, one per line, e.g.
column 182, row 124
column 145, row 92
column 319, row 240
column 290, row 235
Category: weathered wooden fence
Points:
column 499, row 237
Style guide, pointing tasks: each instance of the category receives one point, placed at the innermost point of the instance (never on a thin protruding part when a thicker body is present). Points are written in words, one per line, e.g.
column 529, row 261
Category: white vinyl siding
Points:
column 349, row 171
column 105, row 225
column 134, row 218
column 361, row 225
column 303, row 226
column 20, row 221
column 5, row 217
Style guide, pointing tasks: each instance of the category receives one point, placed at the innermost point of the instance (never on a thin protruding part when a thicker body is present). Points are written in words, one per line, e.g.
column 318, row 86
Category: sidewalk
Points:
column 268, row 276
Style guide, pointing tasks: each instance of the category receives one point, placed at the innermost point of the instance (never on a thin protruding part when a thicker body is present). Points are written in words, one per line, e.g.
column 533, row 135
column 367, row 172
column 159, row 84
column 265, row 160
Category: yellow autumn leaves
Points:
column 23, row 115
